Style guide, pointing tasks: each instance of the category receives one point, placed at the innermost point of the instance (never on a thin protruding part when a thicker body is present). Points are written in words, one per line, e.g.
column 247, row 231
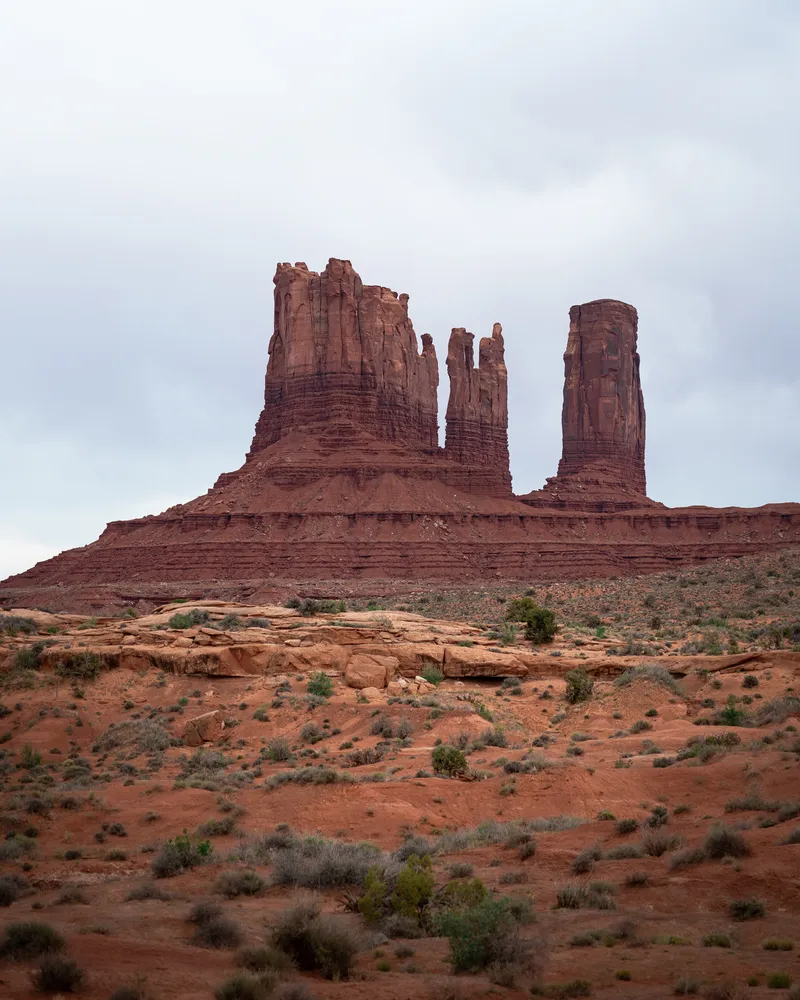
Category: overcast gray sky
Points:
column 496, row 160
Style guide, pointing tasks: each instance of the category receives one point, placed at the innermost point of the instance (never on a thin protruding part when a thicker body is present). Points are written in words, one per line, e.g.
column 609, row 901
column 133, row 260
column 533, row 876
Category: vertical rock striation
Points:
column 602, row 419
column 477, row 409
column 345, row 352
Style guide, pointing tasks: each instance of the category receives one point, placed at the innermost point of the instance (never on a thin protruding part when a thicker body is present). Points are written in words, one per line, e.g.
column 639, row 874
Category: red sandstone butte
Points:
column 602, row 419
column 345, row 479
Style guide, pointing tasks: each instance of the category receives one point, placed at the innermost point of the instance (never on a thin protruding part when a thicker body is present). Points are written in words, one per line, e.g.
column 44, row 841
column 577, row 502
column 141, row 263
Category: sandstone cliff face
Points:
column 342, row 351
column 603, row 418
column 477, row 409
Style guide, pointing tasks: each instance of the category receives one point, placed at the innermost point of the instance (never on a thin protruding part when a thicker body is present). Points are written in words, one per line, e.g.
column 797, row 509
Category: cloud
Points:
column 497, row 162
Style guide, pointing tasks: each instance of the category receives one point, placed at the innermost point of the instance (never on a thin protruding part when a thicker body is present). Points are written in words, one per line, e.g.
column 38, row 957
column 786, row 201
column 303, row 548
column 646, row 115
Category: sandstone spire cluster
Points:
column 345, row 478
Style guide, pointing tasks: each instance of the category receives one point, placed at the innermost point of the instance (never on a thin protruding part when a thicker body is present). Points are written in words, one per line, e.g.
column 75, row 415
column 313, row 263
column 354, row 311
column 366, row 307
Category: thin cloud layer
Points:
column 496, row 162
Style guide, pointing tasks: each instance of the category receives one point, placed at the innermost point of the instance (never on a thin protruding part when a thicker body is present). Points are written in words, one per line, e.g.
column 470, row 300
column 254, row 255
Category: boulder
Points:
column 206, row 728
column 371, row 693
column 366, row 670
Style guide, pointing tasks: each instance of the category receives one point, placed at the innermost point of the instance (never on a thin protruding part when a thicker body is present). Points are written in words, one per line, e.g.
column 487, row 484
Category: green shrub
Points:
column 485, row 936
column 433, row 675
column 580, row 896
column 413, row 888
column 625, row 826
column 775, row 945
column 29, row 939
column 57, row 975
column 779, row 981
column 188, row 619
column 449, row 760
column 540, row 623
column 746, row 909
column 462, row 895
column 179, row 854
column 79, row 667
column 320, row 684
column 579, row 685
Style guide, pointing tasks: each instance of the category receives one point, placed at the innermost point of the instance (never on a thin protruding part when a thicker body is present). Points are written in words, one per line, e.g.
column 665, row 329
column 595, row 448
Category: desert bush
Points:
column 315, row 943
column 637, row 880
column 245, row 986
column 11, row 888
column 321, row 775
column 574, row 988
column 750, row 681
column 71, row 894
column 779, row 981
column 147, row 890
column 777, row 945
column 449, row 760
column 461, row 869
column 217, row 932
column 264, row 959
column 723, row 841
column 649, row 672
column 687, row 857
column 540, row 623
column 746, row 909
column 717, row 939
column 583, row 896
column 321, row 864
column 487, row 936
column 29, row 939
column 79, row 667
column 143, row 735
column 57, row 975
column 320, row 685
column 278, row 750
column 239, row 883
column 219, row 826
column 579, row 685
column 625, row 826
column 584, row 862
column 794, row 837
column 188, row 619
column 686, row 987
column 656, row 842
column 179, row 854
column 292, row 991
column 623, row 852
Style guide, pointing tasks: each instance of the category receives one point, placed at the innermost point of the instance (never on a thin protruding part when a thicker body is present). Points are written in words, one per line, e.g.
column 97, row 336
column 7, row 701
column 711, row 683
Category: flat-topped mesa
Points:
column 345, row 352
column 603, row 418
column 477, row 409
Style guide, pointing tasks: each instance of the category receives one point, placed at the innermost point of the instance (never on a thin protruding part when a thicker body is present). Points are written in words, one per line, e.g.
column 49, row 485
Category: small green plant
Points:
column 779, row 981
column 623, row 975
column 777, row 945
column 30, row 758
column 449, row 760
column 320, row 684
column 626, row 826
column 579, row 686
column 180, row 853
column 433, row 675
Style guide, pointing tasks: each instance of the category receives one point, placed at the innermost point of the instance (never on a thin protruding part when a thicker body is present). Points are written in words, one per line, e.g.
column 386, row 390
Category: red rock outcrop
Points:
column 477, row 410
column 345, row 479
column 342, row 351
column 603, row 418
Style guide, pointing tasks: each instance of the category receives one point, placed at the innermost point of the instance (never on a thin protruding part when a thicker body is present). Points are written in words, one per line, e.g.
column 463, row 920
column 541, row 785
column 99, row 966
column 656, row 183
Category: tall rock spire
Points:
column 477, row 409
column 342, row 351
column 602, row 418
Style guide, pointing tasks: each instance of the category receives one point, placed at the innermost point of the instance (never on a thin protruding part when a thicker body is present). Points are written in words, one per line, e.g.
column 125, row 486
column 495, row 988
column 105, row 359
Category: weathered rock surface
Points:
column 206, row 728
column 365, row 670
column 603, row 417
column 345, row 479
column 477, row 410
column 343, row 351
